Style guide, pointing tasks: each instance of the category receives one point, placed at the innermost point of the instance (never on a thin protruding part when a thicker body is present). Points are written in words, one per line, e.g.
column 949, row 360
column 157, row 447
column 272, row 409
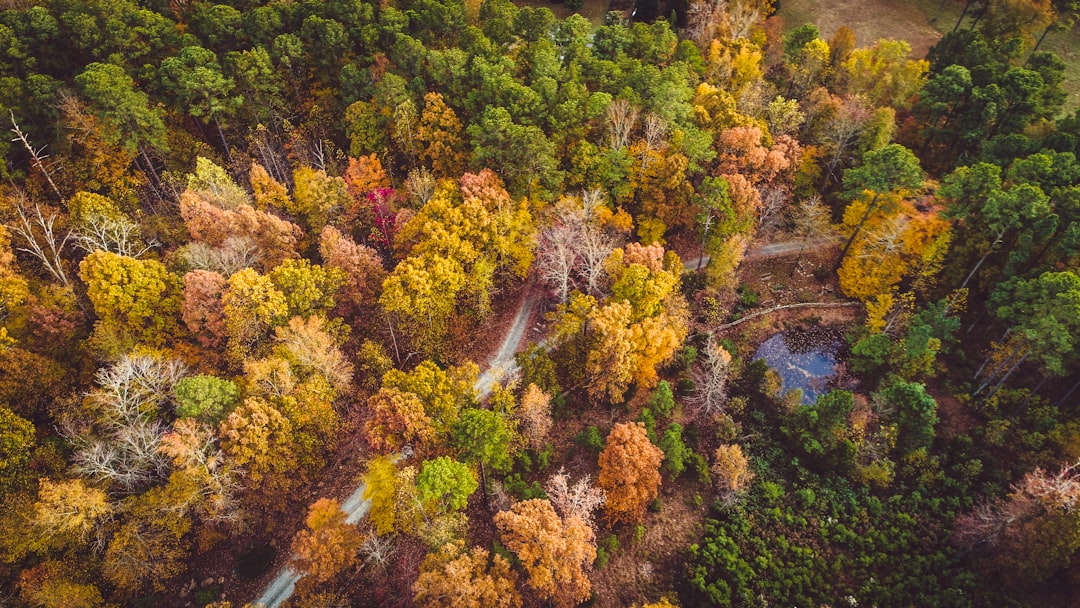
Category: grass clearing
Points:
column 921, row 23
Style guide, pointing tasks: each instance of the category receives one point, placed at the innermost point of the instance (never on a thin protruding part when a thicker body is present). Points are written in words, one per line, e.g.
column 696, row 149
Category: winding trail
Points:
column 356, row 506
column 771, row 250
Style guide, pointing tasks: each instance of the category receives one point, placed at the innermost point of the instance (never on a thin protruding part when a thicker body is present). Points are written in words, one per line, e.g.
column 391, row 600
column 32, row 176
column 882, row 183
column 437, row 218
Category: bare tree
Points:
column 377, row 550
column 654, row 131
column 120, row 442
column 774, row 200
column 810, row 218
column 622, row 117
column 842, row 133
column 557, row 256
column 594, row 247
column 235, row 254
column 36, row 156
column 1036, row 495
column 117, row 235
column 711, row 378
column 581, row 499
column 705, row 20
column 420, row 185
column 742, row 15
column 43, row 240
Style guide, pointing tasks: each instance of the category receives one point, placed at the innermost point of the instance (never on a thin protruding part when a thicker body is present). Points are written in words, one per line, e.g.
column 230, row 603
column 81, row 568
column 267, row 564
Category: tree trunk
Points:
column 483, row 483
column 798, row 260
column 963, row 13
column 704, row 237
column 225, row 142
column 1072, row 390
column 1040, row 41
column 940, row 8
column 851, row 239
column 1007, row 374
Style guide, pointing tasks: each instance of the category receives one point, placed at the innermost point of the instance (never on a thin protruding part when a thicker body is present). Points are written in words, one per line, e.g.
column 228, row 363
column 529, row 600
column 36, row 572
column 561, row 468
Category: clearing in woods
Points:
column 921, row 23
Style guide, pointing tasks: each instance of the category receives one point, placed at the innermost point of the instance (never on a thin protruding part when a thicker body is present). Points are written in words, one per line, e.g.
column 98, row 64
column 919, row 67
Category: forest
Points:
column 455, row 303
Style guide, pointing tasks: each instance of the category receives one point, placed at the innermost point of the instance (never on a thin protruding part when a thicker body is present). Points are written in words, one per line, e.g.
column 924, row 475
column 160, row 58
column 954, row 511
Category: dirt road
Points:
column 762, row 252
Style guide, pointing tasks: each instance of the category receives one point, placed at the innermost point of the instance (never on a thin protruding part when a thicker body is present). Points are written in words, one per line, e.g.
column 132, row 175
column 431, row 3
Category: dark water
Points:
column 805, row 359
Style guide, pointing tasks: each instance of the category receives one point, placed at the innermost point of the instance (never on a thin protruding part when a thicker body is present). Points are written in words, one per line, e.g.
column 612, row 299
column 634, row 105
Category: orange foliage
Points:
column 555, row 552
column 629, row 472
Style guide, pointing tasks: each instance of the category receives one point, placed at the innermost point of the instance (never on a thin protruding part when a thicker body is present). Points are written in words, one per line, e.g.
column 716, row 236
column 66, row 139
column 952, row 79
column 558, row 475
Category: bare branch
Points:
column 48, row 246
column 35, row 155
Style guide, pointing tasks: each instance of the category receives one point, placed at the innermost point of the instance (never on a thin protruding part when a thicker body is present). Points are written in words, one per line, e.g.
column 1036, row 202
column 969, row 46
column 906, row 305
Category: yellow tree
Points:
column 380, row 487
column 269, row 193
column 258, row 439
column 629, row 472
column 884, row 74
column 555, row 552
column 317, row 196
column 731, row 469
column 136, row 301
column 455, row 578
column 421, row 293
column 443, row 393
column 439, row 134
column 252, row 305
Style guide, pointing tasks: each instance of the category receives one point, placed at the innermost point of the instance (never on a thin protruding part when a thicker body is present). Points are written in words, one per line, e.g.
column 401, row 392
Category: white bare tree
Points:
column 117, row 235
column 594, row 246
column 557, row 257
column 377, row 550
column 235, row 254
column 622, row 117
column 581, row 499
column 842, row 134
column 711, row 378
column 43, row 240
column 120, row 442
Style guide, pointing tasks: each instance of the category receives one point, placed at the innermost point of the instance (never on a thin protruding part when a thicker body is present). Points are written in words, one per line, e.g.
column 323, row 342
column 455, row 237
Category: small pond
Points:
column 804, row 359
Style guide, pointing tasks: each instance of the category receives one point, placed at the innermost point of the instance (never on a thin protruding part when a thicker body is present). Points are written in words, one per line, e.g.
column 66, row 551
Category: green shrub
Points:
column 676, row 453
column 207, row 398
column 662, row 401
column 590, row 439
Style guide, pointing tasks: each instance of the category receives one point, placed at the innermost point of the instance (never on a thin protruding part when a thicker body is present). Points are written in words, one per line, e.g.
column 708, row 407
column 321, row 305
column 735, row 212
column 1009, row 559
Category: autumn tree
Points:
column 731, row 471
column 555, row 552
column 136, row 301
column 883, row 172
column 439, row 134
column 328, row 545
column 16, row 442
column 629, row 472
column 397, row 419
column 455, row 578
column 67, row 511
column 534, row 416
column 252, row 305
column 361, row 268
column 257, row 438
column 202, row 310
